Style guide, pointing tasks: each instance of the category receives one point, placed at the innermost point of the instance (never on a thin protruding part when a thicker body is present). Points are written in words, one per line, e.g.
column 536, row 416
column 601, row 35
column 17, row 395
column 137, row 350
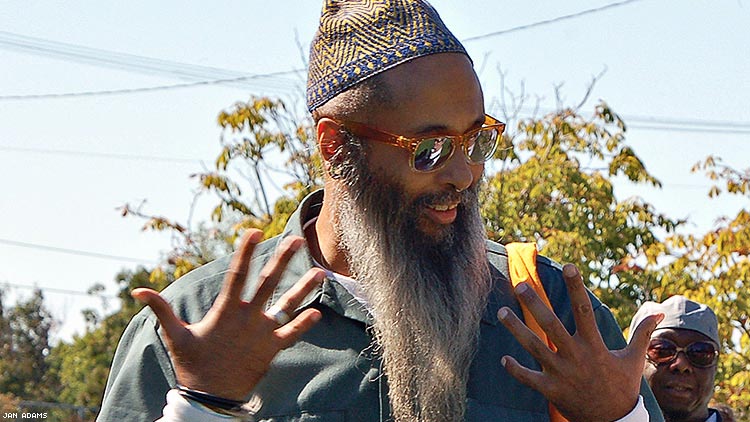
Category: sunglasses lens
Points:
column 432, row 153
column 701, row 354
column 661, row 351
column 482, row 145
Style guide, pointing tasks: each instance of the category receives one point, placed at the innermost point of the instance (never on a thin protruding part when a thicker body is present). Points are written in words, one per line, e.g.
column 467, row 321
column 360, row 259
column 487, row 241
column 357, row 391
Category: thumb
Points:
column 168, row 320
column 642, row 334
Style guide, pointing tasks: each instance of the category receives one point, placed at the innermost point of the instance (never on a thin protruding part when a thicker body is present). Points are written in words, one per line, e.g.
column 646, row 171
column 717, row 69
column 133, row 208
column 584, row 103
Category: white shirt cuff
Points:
column 638, row 414
column 180, row 409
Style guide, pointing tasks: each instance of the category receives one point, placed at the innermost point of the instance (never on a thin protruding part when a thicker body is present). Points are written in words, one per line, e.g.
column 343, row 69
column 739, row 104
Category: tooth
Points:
column 437, row 207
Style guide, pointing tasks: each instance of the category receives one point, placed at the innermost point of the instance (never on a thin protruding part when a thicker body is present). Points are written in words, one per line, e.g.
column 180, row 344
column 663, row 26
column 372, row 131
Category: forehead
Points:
column 436, row 89
column 680, row 336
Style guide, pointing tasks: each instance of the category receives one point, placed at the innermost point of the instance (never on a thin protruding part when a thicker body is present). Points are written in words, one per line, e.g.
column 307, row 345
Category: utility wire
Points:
column 134, row 157
column 672, row 128
column 548, row 21
column 57, row 290
column 140, row 90
column 124, row 61
column 135, row 63
column 699, row 122
column 657, row 120
column 192, row 161
column 138, row 63
column 75, row 252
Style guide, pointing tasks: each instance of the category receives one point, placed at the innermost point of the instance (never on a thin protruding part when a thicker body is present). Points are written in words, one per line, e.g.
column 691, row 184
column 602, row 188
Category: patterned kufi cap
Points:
column 357, row 39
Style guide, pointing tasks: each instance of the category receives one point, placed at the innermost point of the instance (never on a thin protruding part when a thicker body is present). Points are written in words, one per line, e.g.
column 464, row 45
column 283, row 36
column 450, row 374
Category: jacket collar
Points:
column 334, row 295
column 331, row 293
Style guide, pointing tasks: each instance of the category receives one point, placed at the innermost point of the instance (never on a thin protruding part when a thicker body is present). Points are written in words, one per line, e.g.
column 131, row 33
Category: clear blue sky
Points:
column 665, row 60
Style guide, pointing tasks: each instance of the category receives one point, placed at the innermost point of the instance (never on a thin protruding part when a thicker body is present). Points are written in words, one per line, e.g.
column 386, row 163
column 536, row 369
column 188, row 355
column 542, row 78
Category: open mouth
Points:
column 678, row 389
column 442, row 214
column 442, row 208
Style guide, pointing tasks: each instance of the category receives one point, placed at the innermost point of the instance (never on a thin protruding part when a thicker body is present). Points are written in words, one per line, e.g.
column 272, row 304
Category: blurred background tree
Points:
column 554, row 188
column 24, row 348
column 265, row 148
column 713, row 268
column 550, row 183
column 82, row 366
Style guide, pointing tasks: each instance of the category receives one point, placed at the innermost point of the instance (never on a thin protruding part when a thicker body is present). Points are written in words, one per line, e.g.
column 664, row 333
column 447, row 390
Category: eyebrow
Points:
column 437, row 128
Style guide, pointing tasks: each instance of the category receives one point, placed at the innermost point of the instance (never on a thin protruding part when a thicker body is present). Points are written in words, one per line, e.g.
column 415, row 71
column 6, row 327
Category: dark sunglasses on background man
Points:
column 429, row 153
column 701, row 354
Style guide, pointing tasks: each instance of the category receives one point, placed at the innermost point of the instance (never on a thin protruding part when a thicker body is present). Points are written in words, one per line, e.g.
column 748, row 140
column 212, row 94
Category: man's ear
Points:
column 330, row 138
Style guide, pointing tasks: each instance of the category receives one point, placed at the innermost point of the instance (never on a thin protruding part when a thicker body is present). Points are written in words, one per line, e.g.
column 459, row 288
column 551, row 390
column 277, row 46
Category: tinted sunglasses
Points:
column 429, row 153
column 701, row 354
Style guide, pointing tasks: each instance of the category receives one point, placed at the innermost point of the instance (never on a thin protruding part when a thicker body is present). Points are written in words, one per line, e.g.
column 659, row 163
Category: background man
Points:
column 381, row 298
column 681, row 358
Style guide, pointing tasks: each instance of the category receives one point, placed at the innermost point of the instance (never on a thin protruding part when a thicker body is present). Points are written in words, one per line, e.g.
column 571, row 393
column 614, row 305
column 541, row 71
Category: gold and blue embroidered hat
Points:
column 357, row 39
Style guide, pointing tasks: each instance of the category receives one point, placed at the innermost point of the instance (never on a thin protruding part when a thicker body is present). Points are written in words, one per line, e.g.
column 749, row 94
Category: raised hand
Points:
column 229, row 350
column 583, row 379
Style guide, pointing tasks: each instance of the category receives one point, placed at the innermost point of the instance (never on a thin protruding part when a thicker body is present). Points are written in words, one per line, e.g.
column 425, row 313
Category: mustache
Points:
column 463, row 197
column 437, row 198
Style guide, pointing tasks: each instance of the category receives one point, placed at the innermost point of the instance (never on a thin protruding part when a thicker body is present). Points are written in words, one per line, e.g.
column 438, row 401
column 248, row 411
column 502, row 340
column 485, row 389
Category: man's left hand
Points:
column 583, row 379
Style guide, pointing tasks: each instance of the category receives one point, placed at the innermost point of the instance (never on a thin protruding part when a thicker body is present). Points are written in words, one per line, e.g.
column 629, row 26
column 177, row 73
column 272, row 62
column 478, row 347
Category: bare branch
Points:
column 590, row 89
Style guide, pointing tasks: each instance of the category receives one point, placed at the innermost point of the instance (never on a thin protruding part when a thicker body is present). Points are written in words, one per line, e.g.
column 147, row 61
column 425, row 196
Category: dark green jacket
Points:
column 332, row 374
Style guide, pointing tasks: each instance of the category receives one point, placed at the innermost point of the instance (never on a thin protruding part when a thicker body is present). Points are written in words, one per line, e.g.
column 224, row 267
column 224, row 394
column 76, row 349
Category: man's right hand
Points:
column 229, row 351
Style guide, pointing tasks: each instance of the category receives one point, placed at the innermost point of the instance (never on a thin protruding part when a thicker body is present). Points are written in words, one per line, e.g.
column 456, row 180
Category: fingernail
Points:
column 502, row 313
column 292, row 243
column 570, row 271
column 319, row 276
column 138, row 293
column 317, row 316
column 504, row 361
column 522, row 288
column 254, row 236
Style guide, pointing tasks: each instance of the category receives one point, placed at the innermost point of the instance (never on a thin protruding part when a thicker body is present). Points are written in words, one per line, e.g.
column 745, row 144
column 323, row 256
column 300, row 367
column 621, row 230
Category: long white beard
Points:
column 427, row 293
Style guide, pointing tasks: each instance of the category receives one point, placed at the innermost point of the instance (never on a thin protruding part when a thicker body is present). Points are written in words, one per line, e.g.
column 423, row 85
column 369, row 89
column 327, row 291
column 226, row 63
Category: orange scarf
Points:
column 522, row 267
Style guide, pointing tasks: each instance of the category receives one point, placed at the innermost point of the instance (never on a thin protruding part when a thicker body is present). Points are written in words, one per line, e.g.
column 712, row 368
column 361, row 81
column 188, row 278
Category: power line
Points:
column 667, row 123
column 133, row 62
column 57, row 290
column 672, row 128
column 677, row 121
column 76, row 252
column 152, row 158
column 125, row 91
column 141, row 64
column 549, row 21
column 660, row 125
column 102, row 155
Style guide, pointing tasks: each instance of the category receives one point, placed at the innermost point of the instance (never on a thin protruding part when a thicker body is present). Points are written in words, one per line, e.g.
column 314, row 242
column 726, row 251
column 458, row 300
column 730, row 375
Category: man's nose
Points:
column 681, row 363
column 457, row 172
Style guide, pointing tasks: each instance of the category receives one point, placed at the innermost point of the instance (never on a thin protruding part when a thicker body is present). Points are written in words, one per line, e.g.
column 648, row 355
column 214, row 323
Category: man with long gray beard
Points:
column 381, row 299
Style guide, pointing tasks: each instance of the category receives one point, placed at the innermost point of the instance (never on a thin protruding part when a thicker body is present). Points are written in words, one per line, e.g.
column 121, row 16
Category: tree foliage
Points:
column 24, row 346
column 267, row 163
column 714, row 268
column 82, row 366
column 551, row 182
column 554, row 187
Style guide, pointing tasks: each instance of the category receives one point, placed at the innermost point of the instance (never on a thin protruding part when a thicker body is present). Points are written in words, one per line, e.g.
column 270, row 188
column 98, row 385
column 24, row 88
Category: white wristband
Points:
column 180, row 409
column 638, row 414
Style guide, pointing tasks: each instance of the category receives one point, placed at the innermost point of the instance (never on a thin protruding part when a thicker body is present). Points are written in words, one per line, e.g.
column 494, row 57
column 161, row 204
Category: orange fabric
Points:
column 522, row 268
